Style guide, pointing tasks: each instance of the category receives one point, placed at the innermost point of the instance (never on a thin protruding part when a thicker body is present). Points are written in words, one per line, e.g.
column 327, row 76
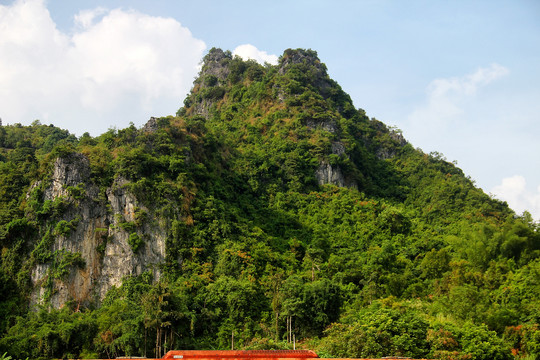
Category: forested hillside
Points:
column 268, row 209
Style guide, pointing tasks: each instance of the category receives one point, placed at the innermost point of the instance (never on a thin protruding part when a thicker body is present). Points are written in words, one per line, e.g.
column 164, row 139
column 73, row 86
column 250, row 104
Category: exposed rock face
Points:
column 300, row 56
column 70, row 171
column 216, row 63
column 328, row 174
column 151, row 125
column 326, row 124
column 100, row 235
column 332, row 174
column 338, row 148
column 214, row 73
column 318, row 72
column 119, row 260
column 385, row 151
column 398, row 137
column 393, row 141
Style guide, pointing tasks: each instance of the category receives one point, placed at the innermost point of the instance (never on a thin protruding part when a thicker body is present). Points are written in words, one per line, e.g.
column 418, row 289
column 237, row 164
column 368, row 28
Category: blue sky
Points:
column 458, row 77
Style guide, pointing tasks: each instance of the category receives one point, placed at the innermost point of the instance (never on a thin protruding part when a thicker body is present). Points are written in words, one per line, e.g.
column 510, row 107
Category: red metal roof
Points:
column 240, row 354
column 248, row 354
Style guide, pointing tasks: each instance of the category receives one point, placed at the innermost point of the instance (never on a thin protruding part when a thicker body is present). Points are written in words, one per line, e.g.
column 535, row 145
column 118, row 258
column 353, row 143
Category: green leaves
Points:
column 379, row 331
column 409, row 260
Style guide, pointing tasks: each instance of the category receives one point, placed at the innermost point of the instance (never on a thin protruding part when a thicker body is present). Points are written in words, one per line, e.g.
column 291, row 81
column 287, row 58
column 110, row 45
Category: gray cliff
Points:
column 102, row 223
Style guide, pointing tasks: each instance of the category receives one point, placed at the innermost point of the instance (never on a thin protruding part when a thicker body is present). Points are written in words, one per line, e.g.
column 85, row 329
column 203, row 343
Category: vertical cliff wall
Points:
column 94, row 237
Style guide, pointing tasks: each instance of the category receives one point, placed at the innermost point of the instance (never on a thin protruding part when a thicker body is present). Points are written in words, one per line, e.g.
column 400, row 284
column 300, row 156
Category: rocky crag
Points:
column 97, row 238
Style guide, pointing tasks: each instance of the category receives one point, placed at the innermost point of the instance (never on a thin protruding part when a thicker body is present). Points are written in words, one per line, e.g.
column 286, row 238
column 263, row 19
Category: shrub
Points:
column 135, row 241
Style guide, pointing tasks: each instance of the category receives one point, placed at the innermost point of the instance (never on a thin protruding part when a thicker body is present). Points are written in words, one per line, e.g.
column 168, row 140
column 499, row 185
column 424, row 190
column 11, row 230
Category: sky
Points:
column 461, row 77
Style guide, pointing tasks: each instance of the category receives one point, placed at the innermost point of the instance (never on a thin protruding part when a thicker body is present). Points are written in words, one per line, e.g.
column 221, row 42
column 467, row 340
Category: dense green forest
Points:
column 290, row 215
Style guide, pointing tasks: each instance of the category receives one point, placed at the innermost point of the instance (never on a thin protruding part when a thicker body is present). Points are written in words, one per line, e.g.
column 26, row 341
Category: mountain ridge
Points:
column 269, row 205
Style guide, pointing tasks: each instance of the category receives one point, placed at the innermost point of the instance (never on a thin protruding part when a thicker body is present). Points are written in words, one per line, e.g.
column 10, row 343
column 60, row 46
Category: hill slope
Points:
column 268, row 206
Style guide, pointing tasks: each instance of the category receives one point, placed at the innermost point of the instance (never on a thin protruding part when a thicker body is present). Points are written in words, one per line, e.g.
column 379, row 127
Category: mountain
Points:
column 268, row 207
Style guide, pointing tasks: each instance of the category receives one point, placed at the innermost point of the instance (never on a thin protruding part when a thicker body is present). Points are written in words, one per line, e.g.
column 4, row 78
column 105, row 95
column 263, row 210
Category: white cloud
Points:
column 86, row 18
column 514, row 191
column 118, row 66
column 446, row 96
column 248, row 51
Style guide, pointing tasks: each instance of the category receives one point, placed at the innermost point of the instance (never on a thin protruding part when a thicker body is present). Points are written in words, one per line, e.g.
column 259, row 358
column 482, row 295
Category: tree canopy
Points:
column 288, row 211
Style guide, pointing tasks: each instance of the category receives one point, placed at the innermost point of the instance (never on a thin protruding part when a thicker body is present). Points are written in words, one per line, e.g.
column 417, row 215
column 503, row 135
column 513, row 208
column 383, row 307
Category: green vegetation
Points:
column 407, row 258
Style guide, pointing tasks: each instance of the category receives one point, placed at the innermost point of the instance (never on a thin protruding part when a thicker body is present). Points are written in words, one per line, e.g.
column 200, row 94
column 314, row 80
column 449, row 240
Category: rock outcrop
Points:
column 328, row 174
column 94, row 251
column 214, row 73
column 393, row 141
column 332, row 174
column 151, row 125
